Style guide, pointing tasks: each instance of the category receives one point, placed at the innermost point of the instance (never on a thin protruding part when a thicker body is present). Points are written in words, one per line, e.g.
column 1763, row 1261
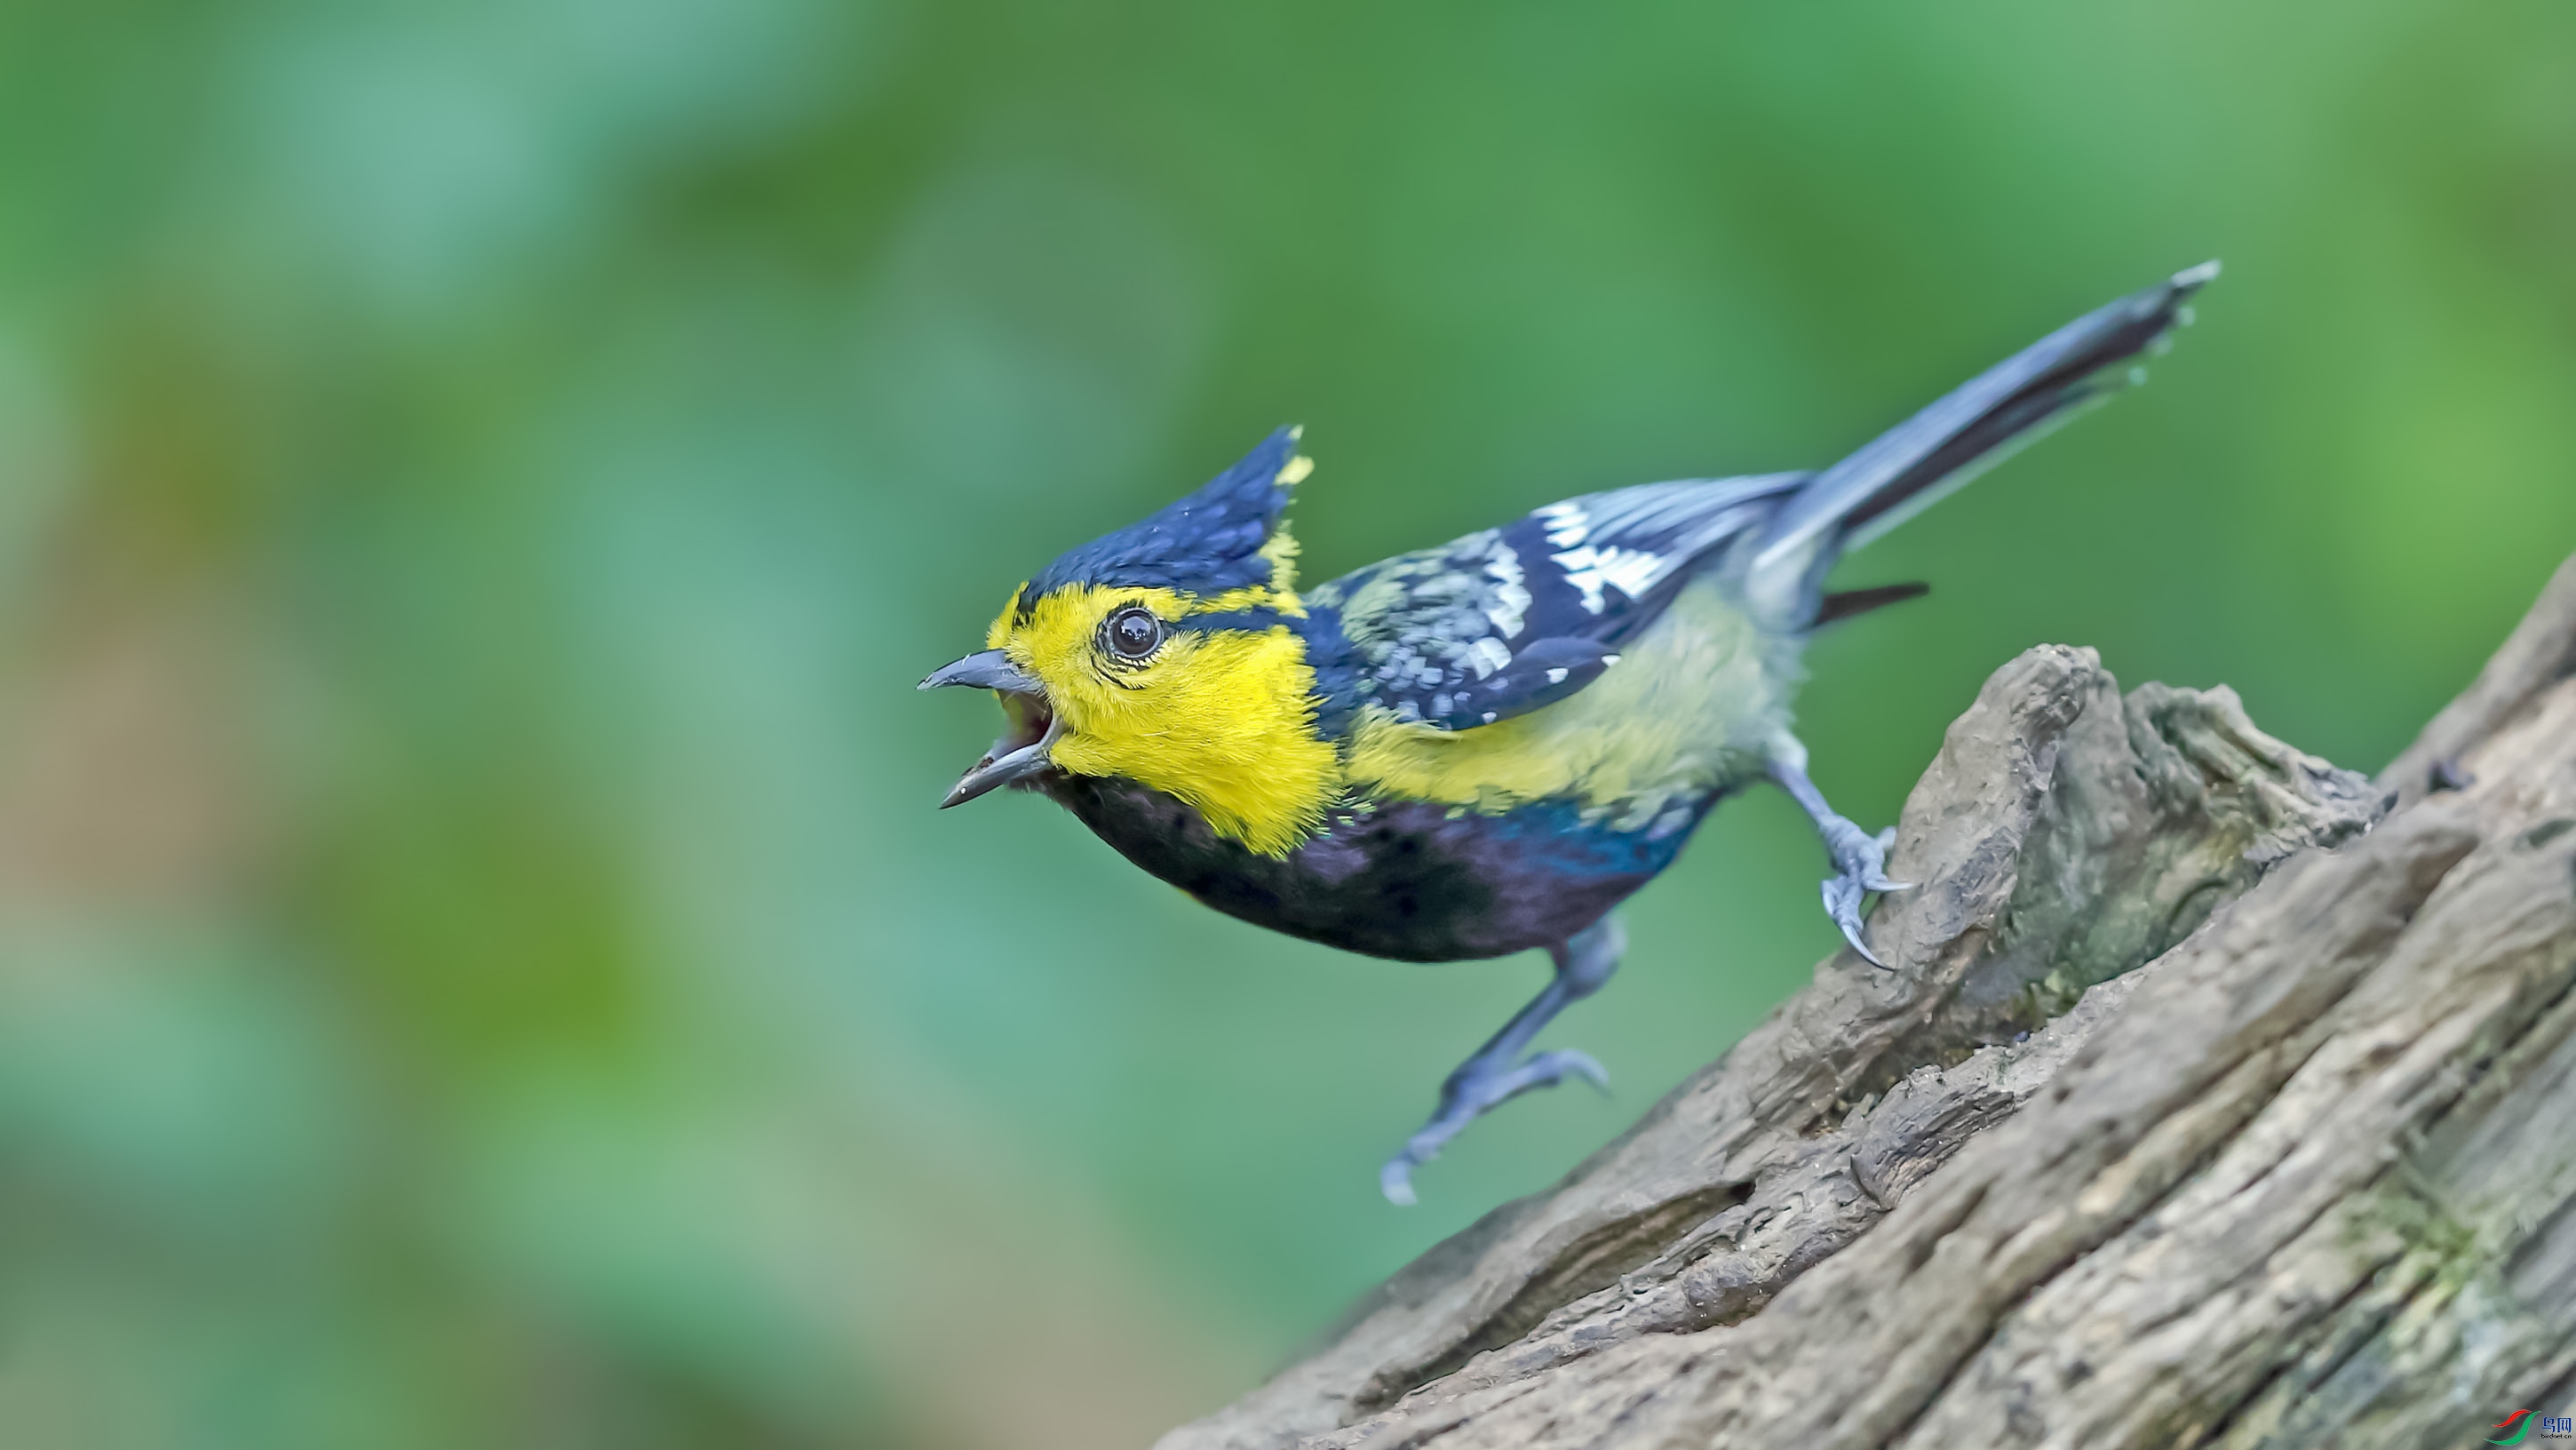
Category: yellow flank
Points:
column 1662, row 723
column 1223, row 719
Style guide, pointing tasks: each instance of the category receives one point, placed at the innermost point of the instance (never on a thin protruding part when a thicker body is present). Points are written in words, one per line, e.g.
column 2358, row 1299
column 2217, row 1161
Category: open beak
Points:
column 1023, row 751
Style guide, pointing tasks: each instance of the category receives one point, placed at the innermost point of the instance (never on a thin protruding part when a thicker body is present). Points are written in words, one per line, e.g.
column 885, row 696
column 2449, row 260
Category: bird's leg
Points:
column 1494, row 1075
column 1860, row 859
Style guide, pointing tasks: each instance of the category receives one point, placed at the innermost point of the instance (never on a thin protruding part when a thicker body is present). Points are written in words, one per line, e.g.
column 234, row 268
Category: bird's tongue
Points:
column 1016, row 756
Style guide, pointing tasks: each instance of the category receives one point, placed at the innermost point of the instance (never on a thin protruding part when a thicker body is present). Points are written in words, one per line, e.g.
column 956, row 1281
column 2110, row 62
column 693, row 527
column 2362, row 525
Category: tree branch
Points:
column 2218, row 1098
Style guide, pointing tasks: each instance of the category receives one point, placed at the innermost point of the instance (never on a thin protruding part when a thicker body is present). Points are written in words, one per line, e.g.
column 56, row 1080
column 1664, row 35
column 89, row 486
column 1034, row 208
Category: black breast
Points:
column 1407, row 880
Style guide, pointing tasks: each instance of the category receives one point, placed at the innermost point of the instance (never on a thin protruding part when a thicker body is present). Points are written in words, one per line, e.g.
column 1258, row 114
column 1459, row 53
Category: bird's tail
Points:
column 1911, row 466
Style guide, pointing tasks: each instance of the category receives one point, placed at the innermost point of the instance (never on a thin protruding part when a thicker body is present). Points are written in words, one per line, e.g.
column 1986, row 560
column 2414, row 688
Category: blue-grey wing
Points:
column 1503, row 621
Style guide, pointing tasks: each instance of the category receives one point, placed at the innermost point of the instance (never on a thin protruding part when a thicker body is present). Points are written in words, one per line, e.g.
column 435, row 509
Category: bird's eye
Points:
column 1134, row 632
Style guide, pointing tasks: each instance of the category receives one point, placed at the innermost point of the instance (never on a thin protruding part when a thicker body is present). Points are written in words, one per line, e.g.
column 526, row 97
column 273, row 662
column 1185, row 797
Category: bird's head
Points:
column 1169, row 654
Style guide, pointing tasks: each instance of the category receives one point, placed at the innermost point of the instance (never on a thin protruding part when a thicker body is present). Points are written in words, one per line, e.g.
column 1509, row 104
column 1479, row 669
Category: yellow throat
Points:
column 1222, row 719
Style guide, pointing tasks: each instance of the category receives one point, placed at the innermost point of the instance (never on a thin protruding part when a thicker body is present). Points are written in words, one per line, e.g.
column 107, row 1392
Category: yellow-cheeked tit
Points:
column 1482, row 747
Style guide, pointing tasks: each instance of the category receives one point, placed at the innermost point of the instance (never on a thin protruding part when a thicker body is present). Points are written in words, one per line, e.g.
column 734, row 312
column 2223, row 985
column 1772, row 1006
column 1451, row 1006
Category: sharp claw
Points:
column 1842, row 903
column 1861, row 860
column 1851, row 933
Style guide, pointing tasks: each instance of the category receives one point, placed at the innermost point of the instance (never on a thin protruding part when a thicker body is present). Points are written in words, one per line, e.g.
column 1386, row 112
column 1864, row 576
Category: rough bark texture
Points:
column 2219, row 1098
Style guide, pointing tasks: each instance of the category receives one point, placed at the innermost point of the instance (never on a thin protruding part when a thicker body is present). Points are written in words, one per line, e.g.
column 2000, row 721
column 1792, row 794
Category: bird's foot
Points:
column 1469, row 1094
column 1860, row 866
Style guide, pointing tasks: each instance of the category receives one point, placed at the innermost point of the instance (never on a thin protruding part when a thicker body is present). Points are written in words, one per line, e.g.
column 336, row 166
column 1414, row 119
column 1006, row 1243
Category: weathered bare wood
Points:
column 2193, row 1115
column 2539, row 653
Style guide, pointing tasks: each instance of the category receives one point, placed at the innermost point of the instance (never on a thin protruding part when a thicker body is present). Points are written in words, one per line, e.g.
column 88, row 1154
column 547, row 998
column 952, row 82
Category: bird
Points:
column 1481, row 748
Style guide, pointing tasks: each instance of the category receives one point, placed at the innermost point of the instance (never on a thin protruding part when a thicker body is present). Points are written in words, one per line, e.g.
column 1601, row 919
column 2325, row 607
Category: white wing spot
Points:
column 1511, row 599
column 1556, row 677
column 1566, row 524
column 1487, row 655
column 1588, row 569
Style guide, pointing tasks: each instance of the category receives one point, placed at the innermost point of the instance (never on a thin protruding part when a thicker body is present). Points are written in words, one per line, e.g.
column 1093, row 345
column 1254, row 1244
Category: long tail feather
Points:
column 1851, row 603
column 1907, row 468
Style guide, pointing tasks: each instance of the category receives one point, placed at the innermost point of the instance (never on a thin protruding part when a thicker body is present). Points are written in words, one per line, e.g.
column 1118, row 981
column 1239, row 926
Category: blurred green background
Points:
column 478, row 482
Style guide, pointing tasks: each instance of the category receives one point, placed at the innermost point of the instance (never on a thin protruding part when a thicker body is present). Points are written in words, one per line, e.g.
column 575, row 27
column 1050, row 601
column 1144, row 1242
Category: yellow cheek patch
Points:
column 1222, row 719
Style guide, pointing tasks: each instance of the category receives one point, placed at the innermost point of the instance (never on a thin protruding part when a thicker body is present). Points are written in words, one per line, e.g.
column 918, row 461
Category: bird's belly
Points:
column 1411, row 880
